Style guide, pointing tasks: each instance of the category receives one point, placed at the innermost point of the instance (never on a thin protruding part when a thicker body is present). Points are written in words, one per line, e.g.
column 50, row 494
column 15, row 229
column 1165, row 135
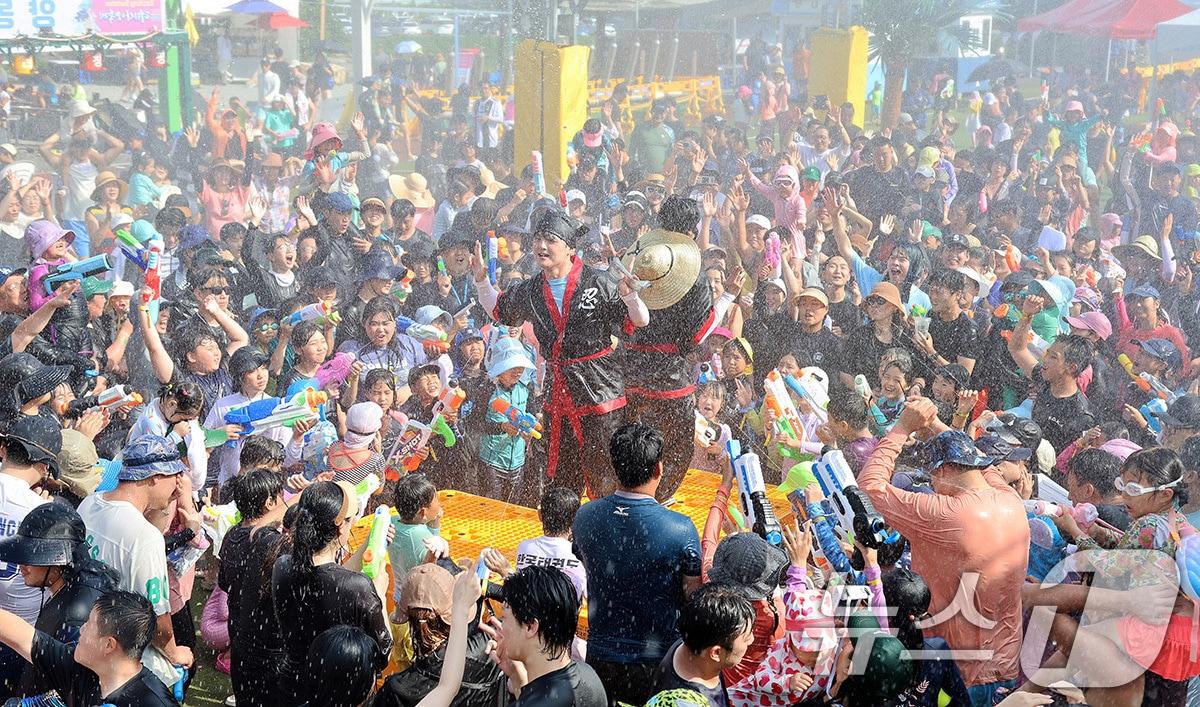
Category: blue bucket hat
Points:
column 338, row 201
column 191, row 236
column 150, row 455
column 507, row 358
column 1000, row 450
column 954, row 447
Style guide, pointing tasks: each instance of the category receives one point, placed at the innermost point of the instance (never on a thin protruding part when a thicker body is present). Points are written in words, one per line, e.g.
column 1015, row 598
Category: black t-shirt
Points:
column 576, row 685
column 1062, row 419
column 669, row 679
column 846, row 315
column 245, row 568
column 822, row 349
column 954, row 338
column 79, row 687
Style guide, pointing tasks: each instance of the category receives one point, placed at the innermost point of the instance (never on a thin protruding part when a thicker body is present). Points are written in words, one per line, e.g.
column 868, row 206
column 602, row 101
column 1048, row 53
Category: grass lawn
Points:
column 210, row 686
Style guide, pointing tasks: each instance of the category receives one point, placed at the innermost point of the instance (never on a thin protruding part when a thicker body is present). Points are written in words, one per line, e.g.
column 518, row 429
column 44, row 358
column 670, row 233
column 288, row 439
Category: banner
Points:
column 71, row 18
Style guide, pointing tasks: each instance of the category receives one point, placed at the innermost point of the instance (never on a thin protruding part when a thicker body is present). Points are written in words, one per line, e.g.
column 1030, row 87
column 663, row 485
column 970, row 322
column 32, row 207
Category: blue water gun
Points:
column 95, row 265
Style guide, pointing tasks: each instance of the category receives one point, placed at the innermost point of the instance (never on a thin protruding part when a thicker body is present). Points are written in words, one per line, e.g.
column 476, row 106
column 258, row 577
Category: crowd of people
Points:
column 962, row 351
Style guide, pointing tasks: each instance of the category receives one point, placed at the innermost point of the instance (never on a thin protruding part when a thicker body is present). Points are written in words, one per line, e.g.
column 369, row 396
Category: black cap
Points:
column 995, row 447
column 561, row 226
column 39, row 436
column 47, row 537
column 956, row 239
column 1184, row 413
column 1025, row 431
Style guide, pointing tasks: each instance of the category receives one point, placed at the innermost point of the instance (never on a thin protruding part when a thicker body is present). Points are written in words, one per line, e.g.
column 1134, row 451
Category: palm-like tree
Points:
column 902, row 30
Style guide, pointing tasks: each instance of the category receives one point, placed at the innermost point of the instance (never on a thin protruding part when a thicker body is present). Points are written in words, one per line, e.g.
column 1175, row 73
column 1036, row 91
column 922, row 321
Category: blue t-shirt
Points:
column 868, row 277
column 558, row 288
column 636, row 554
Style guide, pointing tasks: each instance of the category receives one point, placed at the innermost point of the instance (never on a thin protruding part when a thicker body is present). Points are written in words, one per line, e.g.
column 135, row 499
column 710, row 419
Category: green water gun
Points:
column 374, row 559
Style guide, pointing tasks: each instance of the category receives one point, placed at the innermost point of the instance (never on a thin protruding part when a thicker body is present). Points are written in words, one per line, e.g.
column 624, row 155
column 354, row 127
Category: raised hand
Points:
column 357, row 123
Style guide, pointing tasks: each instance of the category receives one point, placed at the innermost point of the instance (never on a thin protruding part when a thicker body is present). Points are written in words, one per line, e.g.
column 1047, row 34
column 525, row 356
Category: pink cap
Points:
column 1110, row 219
column 1092, row 321
column 1074, row 105
column 744, row 92
column 321, row 132
column 722, row 331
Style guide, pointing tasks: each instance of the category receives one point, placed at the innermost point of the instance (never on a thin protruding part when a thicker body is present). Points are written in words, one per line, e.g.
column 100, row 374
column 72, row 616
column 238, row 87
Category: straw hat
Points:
column 669, row 261
column 491, row 186
column 413, row 187
column 1146, row 244
column 81, row 108
column 236, row 165
column 104, row 179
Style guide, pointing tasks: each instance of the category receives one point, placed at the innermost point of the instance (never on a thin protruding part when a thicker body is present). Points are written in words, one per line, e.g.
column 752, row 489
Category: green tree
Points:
column 902, row 30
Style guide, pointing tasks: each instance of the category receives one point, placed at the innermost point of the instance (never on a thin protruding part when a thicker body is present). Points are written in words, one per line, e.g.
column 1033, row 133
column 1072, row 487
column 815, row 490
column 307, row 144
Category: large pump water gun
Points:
column 539, row 175
column 335, row 370
column 427, row 334
column 1187, row 559
column 414, row 437
column 112, row 399
column 773, row 254
column 760, row 516
column 777, row 400
column 856, row 515
column 77, row 270
column 148, row 257
column 374, row 559
column 526, row 422
column 1041, row 524
column 270, row 413
column 863, row 388
column 319, row 311
column 813, row 385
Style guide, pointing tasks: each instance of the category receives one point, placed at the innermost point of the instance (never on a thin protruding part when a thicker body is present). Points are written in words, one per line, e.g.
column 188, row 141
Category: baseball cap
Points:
column 576, row 195
column 122, row 288
column 814, row 293
column 1094, row 322
column 41, row 438
column 924, row 171
column 427, row 586
column 372, row 201
column 1184, row 412
column 1146, row 291
column 760, row 221
column 998, row 449
column 954, row 447
column 149, row 455
column 93, row 285
column 812, row 174
column 957, row 239
column 1163, row 350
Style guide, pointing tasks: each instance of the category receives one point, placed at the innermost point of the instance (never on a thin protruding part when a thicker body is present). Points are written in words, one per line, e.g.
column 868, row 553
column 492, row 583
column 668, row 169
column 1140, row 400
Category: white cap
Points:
column 760, row 221
column 972, row 275
column 10, row 148
column 925, row 171
column 576, row 195
column 121, row 288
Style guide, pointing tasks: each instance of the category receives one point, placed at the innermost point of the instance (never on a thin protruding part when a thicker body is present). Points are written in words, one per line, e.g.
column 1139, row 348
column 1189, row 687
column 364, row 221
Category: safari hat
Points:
column 1145, row 244
column 669, row 261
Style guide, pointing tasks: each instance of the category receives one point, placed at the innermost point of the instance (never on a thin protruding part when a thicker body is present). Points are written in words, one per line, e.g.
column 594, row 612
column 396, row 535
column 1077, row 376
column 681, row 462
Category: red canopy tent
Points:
column 1115, row 19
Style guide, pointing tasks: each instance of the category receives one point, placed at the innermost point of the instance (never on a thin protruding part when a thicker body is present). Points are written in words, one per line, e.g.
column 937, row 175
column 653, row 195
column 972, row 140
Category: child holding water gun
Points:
column 417, row 540
column 436, row 458
column 325, row 164
column 503, row 445
column 49, row 247
column 710, row 399
column 895, row 372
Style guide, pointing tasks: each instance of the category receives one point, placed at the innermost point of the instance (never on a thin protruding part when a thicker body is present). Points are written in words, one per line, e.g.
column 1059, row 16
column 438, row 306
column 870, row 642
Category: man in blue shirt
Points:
column 642, row 561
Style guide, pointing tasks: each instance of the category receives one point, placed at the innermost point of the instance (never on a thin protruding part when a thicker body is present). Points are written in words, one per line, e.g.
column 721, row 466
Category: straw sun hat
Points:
column 669, row 261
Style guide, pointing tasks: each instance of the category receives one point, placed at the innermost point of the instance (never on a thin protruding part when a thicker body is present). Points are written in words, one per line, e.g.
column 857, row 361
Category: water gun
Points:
column 1187, row 559
column 374, row 559
column 77, row 270
column 523, row 421
column 502, row 249
column 813, row 385
column 710, row 433
column 270, row 413
column 707, row 374
column 414, row 437
column 539, row 175
column 48, row 699
column 335, row 370
column 425, row 333
column 1034, row 342
column 863, row 388
column 319, row 311
column 403, row 287
column 773, row 254
column 760, row 516
column 856, row 515
column 493, row 257
column 777, row 400
column 117, row 397
column 1012, row 259
column 1141, row 143
column 734, row 514
column 1041, row 525
column 441, row 266
column 450, row 399
column 1160, row 395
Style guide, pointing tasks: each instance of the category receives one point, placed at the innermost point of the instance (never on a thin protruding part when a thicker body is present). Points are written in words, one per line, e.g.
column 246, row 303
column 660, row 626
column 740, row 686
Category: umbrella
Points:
column 280, row 20
column 995, row 69
column 407, row 47
column 255, row 7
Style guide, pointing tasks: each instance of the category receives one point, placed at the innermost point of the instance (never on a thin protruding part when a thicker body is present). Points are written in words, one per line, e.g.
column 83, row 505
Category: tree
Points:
column 902, row 30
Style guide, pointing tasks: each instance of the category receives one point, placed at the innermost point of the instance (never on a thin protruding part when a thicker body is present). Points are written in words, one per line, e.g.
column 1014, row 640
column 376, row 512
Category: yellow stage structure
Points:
column 838, row 68
column 551, row 92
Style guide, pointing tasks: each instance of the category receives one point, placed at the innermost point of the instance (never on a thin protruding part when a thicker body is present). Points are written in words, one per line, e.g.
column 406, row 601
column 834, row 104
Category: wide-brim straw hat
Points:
column 669, row 262
column 104, row 179
column 414, row 187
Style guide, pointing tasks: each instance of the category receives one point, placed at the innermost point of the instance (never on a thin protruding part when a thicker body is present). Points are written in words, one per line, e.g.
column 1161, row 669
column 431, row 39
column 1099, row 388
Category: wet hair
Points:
column 316, row 525
column 1096, row 467
column 907, row 593
column 260, row 450
column 1189, row 453
column 402, row 209
column 679, row 214
column 379, row 375
column 206, row 273
column 380, row 303
column 252, row 491
column 1077, row 352
column 557, row 510
column 898, row 357
column 1160, row 466
column 713, row 389
column 545, row 595
column 849, row 407
column 128, row 618
column 918, row 261
column 636, row 450
column 341, row 667
column 413, row 492
column 950, row 279
column 305, row 331
column 188, row 396
column 231, row 230
column 429, row 630
column 956, row 373
column 715, row 615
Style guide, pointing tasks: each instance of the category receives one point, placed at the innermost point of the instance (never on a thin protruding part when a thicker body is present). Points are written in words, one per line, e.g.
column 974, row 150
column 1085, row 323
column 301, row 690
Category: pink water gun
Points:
column 335, row 370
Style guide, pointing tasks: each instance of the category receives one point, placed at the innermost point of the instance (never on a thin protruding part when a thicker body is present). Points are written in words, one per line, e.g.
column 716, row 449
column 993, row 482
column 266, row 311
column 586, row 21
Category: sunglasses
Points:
column 220, row 290
column 656, row 190
column 1134, row 489
column 783, row 182
column 273, row 326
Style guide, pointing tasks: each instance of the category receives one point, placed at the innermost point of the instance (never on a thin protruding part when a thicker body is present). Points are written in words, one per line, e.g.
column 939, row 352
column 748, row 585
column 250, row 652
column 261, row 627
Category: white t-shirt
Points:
column 119, row 536
column 230, row 452
column 548, row 551
column 16, row 501
column 488, row 134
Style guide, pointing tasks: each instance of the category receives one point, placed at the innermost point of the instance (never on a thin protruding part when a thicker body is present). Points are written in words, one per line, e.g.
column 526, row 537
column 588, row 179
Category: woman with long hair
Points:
column 316, row 586
column 907, row 593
